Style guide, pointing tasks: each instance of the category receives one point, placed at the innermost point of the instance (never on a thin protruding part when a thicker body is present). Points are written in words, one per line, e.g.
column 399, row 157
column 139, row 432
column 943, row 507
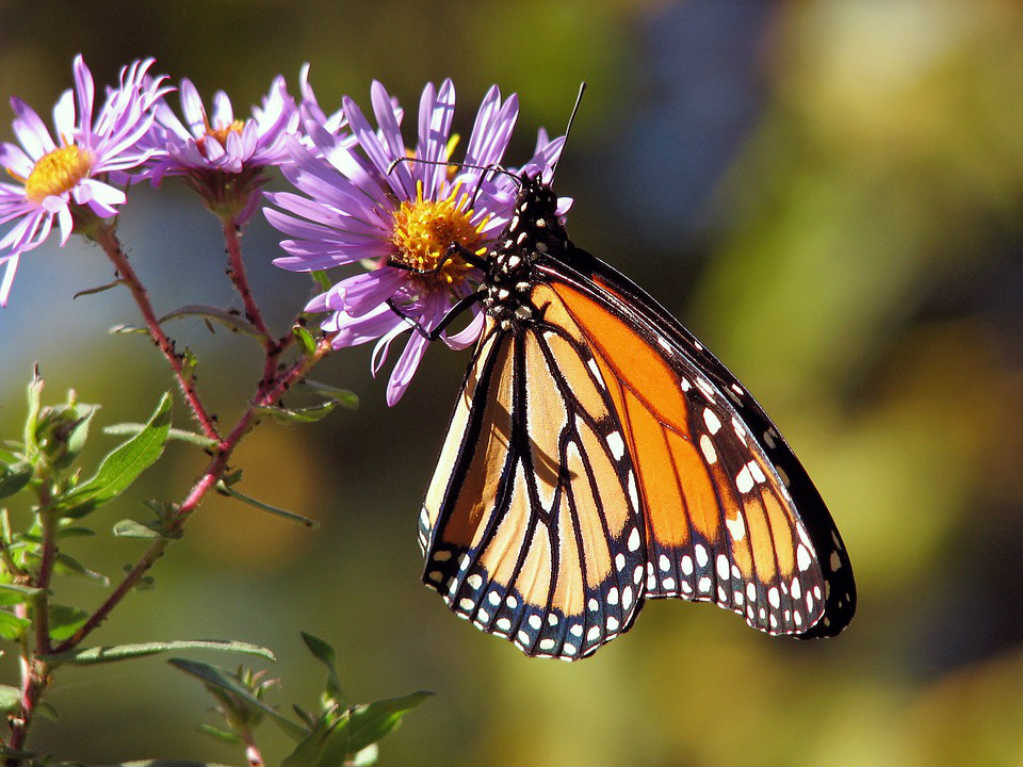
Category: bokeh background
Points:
column 827, row 193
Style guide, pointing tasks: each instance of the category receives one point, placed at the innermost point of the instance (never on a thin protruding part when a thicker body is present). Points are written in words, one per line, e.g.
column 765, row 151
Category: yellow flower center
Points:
column 57, row 172
column 221, row 134
column 423, row 231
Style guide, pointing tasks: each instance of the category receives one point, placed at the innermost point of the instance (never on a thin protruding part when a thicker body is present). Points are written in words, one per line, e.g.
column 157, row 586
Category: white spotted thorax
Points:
column 534, row 230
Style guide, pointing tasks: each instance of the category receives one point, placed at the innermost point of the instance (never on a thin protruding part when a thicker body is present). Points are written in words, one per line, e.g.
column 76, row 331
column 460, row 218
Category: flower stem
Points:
column 107, row 239
column 213, row 472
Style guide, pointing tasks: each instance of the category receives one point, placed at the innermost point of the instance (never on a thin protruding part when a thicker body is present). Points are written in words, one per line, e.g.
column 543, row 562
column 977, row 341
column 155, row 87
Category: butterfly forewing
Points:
column 722, row 521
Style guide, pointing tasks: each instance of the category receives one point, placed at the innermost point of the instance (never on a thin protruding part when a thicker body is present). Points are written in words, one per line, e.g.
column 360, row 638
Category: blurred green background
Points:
column 827, row 193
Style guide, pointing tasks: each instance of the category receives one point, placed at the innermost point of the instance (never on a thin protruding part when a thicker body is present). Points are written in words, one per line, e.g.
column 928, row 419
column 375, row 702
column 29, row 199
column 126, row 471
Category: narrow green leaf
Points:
column 13, row 594
column 309, row 749
column 129, row 528
column 14, row 477
column 35, row 393
column 75, row 532
column 310, row 414
column 97, row 289
column 10, row 698
column 90, row 656
column 124, row 329
column 178, row 434
column 122, row 466
column 221, row 735
column 347, row 399
column 235, row 322
column 65, row 621
column 11, row 626
column 305, row 339
column 324, row 653
column 366, row 724
column 68, row 565
column 47, row 711
column 224, row 489
column 213, row 676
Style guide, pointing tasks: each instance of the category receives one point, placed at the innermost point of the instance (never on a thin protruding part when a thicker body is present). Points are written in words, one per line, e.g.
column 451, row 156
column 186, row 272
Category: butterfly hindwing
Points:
column 530, row 529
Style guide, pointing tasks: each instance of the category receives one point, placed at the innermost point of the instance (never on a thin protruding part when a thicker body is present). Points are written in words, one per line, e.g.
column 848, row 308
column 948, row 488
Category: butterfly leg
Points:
column 457, row 308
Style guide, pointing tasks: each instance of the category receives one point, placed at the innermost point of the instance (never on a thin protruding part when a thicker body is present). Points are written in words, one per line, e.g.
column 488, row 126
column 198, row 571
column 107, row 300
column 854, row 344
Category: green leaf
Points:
column 14, row 477
column 75, row 532
column 129, row 528
column 347, row 399
column 214, row 677
column 90, row 656
column 224, row 489
column 366, row 724
column 68, row 565
column 13, row 594
column 233, row 321
column 305, row 339
column 324, row 653
column 35, row 393
column 10, row 698
column 221, row 735
column 97, row 289
column 365, row 757
column 65, row 621
column 11, row 626
column 182, row 435
column 310, row 414
column 124, row 329
column 47, row 711
column 122, row 466
column 310, row 748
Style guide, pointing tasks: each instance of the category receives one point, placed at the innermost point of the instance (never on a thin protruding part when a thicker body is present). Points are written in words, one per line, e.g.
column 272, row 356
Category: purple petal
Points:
column 30, row 130
column 405, row 368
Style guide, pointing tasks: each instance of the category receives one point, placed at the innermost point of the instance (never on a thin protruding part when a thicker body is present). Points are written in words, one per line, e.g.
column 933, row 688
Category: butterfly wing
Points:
column 730, row 514
column 532, row 527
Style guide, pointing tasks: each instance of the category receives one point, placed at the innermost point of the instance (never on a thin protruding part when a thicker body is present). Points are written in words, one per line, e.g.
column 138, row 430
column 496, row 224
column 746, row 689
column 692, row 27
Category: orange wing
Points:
column 721, row 523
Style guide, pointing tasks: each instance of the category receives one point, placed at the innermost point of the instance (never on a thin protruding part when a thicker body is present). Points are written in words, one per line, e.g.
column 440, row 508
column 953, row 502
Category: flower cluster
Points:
column 408, row 213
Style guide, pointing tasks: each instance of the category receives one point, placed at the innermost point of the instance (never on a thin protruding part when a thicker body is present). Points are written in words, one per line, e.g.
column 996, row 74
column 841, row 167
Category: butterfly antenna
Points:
column 568, row 126
column 485, row 168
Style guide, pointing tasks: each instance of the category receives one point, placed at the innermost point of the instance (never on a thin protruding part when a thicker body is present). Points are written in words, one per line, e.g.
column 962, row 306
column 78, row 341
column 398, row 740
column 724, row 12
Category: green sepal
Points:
column 305, row 339
column 222, row 735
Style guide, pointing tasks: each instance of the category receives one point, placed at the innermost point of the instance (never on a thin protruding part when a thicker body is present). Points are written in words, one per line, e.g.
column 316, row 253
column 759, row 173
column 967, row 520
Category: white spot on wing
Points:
column 708, row 449
column 711, row 421
column 634, row 539
column 737, row 528
column 744, row 482
column 616, row 445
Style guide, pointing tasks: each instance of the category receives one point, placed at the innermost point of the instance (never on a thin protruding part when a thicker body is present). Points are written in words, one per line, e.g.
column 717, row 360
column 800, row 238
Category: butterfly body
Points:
column 599, row 456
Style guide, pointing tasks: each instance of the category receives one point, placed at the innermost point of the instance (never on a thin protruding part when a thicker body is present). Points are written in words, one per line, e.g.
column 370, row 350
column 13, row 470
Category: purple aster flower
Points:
column 67, row 180
column 222, row 157
column 399, row 218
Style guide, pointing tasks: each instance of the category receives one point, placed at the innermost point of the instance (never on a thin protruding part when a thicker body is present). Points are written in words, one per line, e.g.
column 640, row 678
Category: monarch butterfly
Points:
column 598, row 456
